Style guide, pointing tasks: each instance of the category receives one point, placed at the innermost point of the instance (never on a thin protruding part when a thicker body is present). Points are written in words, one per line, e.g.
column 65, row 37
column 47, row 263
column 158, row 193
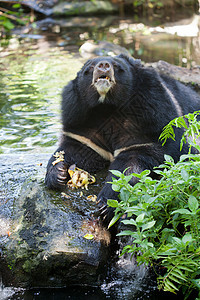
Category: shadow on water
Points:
column 75, row 293
column 34, row 68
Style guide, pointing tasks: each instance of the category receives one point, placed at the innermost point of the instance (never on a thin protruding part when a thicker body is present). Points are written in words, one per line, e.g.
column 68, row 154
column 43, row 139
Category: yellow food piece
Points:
column 95, row 231
column 93, row 198
column 65, row 195
column 79, row 178
column 59, row 157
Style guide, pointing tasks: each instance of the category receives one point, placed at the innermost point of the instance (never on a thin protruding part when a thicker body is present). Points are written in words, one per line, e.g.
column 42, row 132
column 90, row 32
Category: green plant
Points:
column 163, row 216
column 191, row 132
column 10, row 18
column 148, row 3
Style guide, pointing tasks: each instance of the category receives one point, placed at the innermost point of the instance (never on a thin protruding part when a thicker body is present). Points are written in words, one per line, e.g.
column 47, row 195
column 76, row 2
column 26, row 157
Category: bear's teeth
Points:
column 104, row 78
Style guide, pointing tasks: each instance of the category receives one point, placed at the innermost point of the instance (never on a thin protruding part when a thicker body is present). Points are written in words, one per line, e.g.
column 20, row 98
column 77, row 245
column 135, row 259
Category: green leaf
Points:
column 174, row 278
column 185, row 157
column 125, row 232
column 182, row 211
column 145, row 173
column 140, row 218
column 8, row 25
column 168, row 158
column 177, row 273
column 166, row 214
column 187, row 238
column 196, row 282
column 129, row 222
column 116, row 173
column 124, row 195
column 112, row 203
column 184, row 174
column 116, row 187
column 169, row 286
column 17, row 5
column 128, row 178
column 185, row 268
column 114, row 220
column 148, row 225
column 193, row 203
column 150, row 244
column 177, row 240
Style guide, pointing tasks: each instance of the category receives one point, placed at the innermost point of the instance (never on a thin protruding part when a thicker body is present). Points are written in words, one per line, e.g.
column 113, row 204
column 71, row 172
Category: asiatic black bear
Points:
column 113, row 113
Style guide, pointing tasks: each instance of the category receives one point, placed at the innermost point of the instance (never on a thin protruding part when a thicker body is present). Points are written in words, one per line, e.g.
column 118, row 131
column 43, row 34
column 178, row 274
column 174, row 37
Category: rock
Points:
column 41, row 6
column 44, row 242
column 187, row 76
column 84, row 8
column 90, row 49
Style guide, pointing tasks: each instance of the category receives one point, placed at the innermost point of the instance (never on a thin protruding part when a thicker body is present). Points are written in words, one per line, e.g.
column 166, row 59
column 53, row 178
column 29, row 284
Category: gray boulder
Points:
column 187, row 76
column 43, row 242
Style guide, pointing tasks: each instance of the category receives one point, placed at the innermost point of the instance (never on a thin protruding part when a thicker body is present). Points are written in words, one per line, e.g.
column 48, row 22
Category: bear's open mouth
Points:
column 103, row 83
column 104, row 77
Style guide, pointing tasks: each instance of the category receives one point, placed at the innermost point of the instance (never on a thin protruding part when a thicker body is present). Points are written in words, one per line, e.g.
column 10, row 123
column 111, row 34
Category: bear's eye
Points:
column 118, row 68
column 87, row 70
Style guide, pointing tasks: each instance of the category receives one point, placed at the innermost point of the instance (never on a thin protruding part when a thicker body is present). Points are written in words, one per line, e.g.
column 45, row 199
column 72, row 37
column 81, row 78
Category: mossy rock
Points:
column 84, row 8
column 42, row 232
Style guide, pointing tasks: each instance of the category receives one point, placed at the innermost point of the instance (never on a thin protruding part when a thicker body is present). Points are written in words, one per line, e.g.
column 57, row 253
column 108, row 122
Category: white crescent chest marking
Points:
column 107, row 155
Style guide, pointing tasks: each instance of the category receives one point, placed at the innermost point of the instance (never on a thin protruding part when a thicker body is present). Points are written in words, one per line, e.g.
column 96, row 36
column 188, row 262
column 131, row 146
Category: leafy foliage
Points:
column 163, row 216
column 191, row 132
column 148, row 3
column 9, row 18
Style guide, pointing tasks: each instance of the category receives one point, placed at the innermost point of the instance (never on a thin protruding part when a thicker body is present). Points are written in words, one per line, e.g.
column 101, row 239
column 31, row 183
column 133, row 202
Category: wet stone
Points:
column 187, row 76
column 46, row 236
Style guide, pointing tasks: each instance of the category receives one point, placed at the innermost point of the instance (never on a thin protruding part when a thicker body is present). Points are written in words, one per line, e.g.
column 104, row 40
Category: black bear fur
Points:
column 117, row 103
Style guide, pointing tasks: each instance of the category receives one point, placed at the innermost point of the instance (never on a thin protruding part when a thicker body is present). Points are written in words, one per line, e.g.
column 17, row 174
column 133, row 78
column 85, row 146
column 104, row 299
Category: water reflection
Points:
column 30, row 100
column 177, row 43
column 148, row 39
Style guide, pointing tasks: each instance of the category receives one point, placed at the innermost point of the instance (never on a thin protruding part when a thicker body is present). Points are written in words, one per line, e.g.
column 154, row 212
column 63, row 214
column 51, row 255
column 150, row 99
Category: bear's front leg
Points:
column 71, row 152
column 57, row 174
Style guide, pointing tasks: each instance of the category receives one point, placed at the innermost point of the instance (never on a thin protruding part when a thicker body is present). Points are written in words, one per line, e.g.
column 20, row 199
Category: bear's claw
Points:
column 57, row 176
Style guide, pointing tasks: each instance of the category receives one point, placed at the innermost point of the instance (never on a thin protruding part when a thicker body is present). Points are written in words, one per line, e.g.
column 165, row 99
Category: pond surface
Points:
column 30, row 87
column 35, row 64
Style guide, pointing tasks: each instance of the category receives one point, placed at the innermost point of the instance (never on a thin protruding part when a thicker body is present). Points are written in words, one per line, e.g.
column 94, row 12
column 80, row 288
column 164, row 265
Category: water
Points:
column 30, row 87
column 34, row 67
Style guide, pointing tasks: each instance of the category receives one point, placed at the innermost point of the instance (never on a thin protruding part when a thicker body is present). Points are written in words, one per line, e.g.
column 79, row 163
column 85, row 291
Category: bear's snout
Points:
column 103, row 77
column 103, row 66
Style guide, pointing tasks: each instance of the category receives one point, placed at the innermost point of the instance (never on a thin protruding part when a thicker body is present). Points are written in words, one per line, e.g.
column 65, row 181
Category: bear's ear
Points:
column 130, row 60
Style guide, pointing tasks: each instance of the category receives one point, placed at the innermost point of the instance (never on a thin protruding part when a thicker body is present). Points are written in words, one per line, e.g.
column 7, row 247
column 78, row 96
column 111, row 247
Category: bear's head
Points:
column 107, row 79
